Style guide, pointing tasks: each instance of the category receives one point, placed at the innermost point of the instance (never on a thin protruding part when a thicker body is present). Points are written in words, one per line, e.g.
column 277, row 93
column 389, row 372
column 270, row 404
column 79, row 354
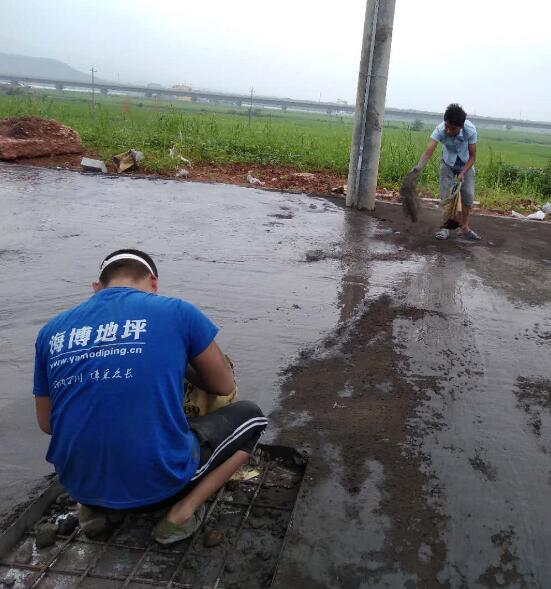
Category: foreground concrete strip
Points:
column 28, row 518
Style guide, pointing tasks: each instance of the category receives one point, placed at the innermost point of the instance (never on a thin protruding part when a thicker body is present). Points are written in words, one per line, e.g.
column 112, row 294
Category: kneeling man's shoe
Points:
column 95, row 521
column 166, row 532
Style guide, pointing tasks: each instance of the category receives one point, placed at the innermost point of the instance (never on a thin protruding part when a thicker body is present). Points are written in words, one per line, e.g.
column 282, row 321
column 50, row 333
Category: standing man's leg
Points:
column 467, row 199
column 446, row 180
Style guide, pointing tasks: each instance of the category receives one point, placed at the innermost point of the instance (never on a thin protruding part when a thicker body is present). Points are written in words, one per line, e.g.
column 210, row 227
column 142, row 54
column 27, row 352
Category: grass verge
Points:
column 513, row 169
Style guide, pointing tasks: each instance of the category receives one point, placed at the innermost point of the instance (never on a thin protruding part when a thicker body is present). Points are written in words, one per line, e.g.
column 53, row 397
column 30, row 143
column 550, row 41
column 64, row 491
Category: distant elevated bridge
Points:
column 271, row 101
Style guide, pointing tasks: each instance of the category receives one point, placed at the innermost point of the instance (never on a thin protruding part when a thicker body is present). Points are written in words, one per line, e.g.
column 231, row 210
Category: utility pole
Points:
column 251, row 106
column 93, row 70
column 370, row 104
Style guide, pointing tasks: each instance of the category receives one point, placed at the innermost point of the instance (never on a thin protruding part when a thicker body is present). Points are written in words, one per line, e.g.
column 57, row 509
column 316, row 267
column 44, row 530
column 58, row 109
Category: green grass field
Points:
column 514, row 169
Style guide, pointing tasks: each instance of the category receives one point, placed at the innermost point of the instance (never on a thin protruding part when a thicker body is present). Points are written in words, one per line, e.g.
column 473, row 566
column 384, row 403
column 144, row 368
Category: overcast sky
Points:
column 492, row 56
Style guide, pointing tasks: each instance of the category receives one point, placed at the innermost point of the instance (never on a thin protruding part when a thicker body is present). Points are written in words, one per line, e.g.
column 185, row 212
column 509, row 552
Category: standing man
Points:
column 458, row 137
column 108, row 388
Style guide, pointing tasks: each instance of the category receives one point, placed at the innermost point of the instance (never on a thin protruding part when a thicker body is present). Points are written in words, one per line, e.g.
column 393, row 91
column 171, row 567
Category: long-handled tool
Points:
column 451, row 207
column 408, row 192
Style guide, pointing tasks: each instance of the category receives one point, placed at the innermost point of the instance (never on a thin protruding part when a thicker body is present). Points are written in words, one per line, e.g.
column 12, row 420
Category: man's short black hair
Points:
column 455, row 115
column 128, row 268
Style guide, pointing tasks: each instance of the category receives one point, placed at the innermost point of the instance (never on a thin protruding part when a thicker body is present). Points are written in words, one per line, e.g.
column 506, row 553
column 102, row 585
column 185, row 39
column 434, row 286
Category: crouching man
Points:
column 108, row 388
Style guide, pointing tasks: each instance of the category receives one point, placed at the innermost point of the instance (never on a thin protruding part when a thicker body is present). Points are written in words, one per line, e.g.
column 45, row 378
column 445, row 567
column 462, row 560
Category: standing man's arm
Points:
column 470, row 162
column 43, row 407
column 426, row 155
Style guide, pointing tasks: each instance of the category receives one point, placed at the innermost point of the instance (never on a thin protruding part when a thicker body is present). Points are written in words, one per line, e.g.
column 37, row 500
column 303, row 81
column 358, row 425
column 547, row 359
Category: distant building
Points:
column 183, row 88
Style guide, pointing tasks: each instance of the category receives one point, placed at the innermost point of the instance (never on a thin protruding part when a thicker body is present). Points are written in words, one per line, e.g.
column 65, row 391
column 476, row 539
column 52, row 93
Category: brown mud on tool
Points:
column 408, row 192
column 451, row 208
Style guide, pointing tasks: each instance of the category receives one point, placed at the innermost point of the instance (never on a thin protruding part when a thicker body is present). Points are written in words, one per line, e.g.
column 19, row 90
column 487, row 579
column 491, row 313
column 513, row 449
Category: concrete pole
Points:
column 93, row 70
column 364, row 162
column 362, row 93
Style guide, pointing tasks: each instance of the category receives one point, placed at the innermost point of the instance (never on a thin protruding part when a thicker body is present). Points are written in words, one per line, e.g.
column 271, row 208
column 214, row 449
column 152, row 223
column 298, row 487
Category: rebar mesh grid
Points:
column 253, row 518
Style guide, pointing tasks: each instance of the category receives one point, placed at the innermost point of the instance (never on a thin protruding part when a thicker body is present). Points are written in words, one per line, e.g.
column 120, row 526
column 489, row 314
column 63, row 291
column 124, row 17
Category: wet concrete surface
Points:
column 237, row 545
column 417, row 373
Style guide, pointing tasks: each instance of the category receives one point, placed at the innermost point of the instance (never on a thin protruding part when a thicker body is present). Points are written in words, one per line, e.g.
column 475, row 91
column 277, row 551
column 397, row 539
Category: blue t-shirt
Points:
column 458, row 146
column 113, row 368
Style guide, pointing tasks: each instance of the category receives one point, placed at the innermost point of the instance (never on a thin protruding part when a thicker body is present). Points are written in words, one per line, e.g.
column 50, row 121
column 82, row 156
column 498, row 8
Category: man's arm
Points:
column 43, row 413
column 213, row 373
column 425, row 157
column 470, row 162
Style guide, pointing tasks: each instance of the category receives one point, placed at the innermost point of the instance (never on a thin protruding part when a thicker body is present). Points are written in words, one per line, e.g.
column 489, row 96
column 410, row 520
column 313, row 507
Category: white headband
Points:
column 125, row 257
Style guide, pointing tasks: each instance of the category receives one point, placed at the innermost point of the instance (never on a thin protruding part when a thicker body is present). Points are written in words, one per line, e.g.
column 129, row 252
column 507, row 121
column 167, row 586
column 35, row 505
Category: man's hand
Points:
column 461, row 176
column 214, row 372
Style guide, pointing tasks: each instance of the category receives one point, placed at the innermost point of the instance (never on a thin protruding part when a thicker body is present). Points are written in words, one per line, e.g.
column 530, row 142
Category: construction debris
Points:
column 68, row 524
column 339, row 189
column 173, row 152
column 45, row 535
column 252, row 180
column 90, row 165
column 213, row 538
column 537, row 216
column 128, row 160
column 25, row 552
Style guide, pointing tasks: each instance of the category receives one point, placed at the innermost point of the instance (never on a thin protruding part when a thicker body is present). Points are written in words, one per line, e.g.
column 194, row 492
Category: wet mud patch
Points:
column 534, row 397
column 281, row 215
column 350, row 257
column 540, row 333
column 318, row 255
column 505, row 573
column 480, row 464
column 370, row 425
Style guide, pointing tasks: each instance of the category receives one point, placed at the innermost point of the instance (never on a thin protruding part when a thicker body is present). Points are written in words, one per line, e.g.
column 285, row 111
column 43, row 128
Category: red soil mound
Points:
column 28, row 137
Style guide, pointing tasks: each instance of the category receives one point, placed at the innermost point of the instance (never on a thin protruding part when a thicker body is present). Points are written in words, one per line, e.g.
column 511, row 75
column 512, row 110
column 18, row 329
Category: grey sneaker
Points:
column 166, row 532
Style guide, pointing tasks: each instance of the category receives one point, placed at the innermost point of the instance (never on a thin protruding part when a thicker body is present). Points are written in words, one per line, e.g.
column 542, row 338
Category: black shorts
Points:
column 221, row 434
column 237, row 426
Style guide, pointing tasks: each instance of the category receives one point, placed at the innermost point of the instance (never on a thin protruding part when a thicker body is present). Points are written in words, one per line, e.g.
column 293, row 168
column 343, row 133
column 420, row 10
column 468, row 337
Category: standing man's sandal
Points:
column 470, row 235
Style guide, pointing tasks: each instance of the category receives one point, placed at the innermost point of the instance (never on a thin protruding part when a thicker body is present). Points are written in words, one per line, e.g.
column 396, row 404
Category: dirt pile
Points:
column 29, row 137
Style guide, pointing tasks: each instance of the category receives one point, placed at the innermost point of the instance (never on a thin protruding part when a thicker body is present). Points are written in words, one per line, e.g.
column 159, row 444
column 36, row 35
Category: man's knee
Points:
column 248, row 409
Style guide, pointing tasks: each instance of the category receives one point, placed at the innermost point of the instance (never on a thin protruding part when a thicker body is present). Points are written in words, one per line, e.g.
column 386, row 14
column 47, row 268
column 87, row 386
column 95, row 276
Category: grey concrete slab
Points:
column 416, row 372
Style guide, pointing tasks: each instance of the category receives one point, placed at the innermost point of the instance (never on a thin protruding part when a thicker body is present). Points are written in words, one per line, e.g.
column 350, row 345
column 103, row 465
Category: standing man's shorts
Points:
column 447, row 180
